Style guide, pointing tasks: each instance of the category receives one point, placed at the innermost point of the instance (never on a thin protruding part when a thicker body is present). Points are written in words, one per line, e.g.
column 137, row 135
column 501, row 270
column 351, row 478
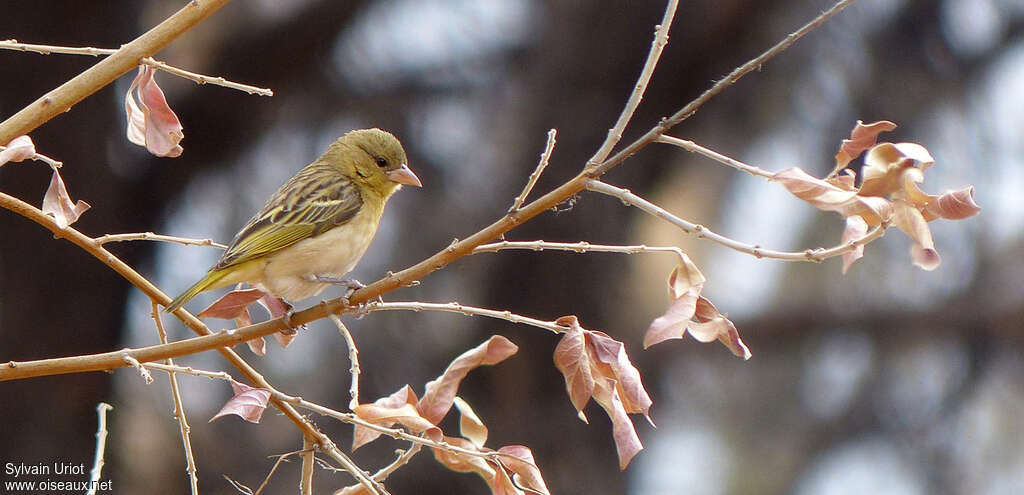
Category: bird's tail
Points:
column 205, row 283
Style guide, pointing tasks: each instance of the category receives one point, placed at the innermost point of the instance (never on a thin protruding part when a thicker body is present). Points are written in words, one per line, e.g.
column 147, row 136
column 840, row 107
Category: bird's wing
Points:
column 316, row 200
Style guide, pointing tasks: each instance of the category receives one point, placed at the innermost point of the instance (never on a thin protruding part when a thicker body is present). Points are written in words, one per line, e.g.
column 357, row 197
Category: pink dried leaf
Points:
column 910, row 221
column 470, row 426
column 684, row 276
column 612, row 353
column 151, row 122
column 627, row 443
column 885, row 164
column 672, row 324
column 520, row 463
column 572, row 361
column 712, row 319
column 862, row 137
column 57, row 203
column 20, row 148
column 403, row 396
column 846, row 181
column 830, row 197
column 463, row 463
column 856, row 228
column 248, row 403
column 440, row 392
column 232, row 304
column 953, row 205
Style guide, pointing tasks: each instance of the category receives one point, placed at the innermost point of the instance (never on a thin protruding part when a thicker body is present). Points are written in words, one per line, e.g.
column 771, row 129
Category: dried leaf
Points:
column 470, row 425
column 405, row 415
column 248, row 403
column 599, row 364
column 57, row 203
column 684, row 277
column 464, row 463
column 401, row 397
column 440, row 392
column 672, row 324
column 830, row 197
column 627, row 443
column 612, row 354
column 953, row 205
column 151, row 122
column 862, row 137
column 856, row 228
column 20, row 148
column 910, row 221
column 572, row 361
column 232, row 304
column 710, row 320
column 525, row 473
column 885, row 165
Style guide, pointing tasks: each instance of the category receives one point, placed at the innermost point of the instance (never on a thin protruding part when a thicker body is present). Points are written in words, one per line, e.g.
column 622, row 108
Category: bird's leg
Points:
column 351, row 284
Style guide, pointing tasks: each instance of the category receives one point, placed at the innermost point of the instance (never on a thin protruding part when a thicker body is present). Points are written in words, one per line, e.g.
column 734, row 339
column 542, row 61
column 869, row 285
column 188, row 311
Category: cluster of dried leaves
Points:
column 508, row 470
column 888, row 193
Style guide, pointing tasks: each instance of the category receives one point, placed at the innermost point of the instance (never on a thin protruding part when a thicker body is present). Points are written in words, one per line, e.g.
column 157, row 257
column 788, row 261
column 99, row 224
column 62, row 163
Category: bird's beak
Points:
column 405, row 176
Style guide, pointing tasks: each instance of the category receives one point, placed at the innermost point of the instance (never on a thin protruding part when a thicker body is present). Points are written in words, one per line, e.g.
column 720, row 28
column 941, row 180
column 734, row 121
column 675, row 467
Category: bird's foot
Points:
column 351, row 285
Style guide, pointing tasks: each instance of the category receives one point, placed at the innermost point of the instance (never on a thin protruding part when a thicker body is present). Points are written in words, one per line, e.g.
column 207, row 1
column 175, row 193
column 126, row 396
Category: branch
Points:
column 150, row 61
column 126, row 58
column 149, row 236
column 816, row 255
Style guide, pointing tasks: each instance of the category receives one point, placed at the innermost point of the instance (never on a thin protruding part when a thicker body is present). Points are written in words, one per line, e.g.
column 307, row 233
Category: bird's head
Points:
column 374, row 158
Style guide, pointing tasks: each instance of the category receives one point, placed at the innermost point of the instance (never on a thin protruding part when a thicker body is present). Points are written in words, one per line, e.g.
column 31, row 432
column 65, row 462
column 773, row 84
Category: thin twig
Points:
column 149, row 236
column 716, row 156
column 816, row 255
column 179, row 408
column 577, row 247
column 101, row 447
column 454, row 307
column 307, row 456
column 598, row 169
column 95, row 52
column 545, row 156
column 143, row 372
column 404, row 456
column 353, row 357
column 657, row 46
column 39, row 157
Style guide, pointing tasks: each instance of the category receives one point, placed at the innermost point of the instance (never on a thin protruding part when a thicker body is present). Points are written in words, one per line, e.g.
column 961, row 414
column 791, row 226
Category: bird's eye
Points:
column 382, row 162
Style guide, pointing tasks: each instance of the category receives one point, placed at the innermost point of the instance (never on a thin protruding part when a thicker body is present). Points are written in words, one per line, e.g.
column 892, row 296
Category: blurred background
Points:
column 889, row 380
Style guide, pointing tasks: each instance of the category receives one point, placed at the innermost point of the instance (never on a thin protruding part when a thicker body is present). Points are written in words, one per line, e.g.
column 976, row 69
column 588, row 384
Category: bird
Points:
column 317, row 226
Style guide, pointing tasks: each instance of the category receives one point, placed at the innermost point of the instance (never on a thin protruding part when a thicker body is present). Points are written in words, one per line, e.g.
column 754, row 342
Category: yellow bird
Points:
column 317, row 226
